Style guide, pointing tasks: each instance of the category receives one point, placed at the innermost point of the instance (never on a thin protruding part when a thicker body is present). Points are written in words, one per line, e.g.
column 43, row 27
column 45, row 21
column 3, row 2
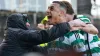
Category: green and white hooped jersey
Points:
column 78, row 39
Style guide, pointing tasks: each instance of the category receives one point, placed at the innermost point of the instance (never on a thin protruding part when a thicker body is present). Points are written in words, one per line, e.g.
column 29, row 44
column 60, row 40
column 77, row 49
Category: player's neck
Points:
column 70, row 17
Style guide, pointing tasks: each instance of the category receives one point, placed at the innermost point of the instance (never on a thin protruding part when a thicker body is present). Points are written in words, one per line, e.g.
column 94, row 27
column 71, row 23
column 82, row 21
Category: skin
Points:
column 58, row 14
column 40, row 26
column 54, row 11
column 44, row 26
column 90, row 28
column 27, row 24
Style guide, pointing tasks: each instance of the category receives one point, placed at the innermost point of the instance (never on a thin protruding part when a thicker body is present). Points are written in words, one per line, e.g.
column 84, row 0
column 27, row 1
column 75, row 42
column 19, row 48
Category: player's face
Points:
column 53, row 13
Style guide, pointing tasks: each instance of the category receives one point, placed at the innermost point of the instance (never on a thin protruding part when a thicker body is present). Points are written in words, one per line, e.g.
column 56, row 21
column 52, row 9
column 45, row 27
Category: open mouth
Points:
column 49, row 17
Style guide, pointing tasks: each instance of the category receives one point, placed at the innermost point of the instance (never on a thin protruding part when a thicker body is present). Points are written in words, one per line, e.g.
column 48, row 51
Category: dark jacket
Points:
column 19, row 40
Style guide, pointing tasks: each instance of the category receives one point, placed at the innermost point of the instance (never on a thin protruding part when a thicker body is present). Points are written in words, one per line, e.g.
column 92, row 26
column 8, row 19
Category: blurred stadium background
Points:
column 35, row 9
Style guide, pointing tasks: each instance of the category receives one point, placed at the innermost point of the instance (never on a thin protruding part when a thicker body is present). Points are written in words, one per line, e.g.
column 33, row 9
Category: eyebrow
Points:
column 50, row 6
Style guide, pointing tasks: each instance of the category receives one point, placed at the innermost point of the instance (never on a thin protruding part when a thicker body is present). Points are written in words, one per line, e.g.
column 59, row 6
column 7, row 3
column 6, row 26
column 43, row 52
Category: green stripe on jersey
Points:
column 95, row 39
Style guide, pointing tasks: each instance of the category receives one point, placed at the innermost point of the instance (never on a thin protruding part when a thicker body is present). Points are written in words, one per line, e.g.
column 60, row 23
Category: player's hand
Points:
column 40, row 26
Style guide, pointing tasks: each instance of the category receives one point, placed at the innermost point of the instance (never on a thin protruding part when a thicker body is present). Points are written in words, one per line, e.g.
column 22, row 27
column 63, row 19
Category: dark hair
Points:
column 66, row 5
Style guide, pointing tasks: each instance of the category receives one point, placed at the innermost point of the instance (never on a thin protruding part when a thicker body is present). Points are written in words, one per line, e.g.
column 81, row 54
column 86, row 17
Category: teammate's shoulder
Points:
column 84, row 18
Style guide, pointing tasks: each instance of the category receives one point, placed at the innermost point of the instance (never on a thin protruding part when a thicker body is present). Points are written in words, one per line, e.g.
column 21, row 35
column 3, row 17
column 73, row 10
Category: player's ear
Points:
column 62, row 13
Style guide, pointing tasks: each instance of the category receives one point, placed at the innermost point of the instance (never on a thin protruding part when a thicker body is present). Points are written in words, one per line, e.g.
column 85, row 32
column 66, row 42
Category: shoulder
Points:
column 16, row 31
column 13, row 30
column 84, row 18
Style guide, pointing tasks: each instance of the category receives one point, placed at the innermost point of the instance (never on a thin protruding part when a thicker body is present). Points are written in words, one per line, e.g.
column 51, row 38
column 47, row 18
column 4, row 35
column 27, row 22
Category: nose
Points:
column 27, row 24
column 48, row 11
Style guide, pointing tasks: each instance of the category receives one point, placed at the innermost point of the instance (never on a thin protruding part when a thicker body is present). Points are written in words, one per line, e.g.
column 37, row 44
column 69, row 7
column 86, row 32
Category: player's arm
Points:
column 90, row 28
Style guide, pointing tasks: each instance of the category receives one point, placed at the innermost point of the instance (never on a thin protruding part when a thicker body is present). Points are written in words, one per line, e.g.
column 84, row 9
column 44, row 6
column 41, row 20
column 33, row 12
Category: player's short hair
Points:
column 66, row 5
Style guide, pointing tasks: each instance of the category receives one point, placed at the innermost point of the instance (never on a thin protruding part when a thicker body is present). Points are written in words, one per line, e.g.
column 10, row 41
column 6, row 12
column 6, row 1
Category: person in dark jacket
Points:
column 19, row 40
